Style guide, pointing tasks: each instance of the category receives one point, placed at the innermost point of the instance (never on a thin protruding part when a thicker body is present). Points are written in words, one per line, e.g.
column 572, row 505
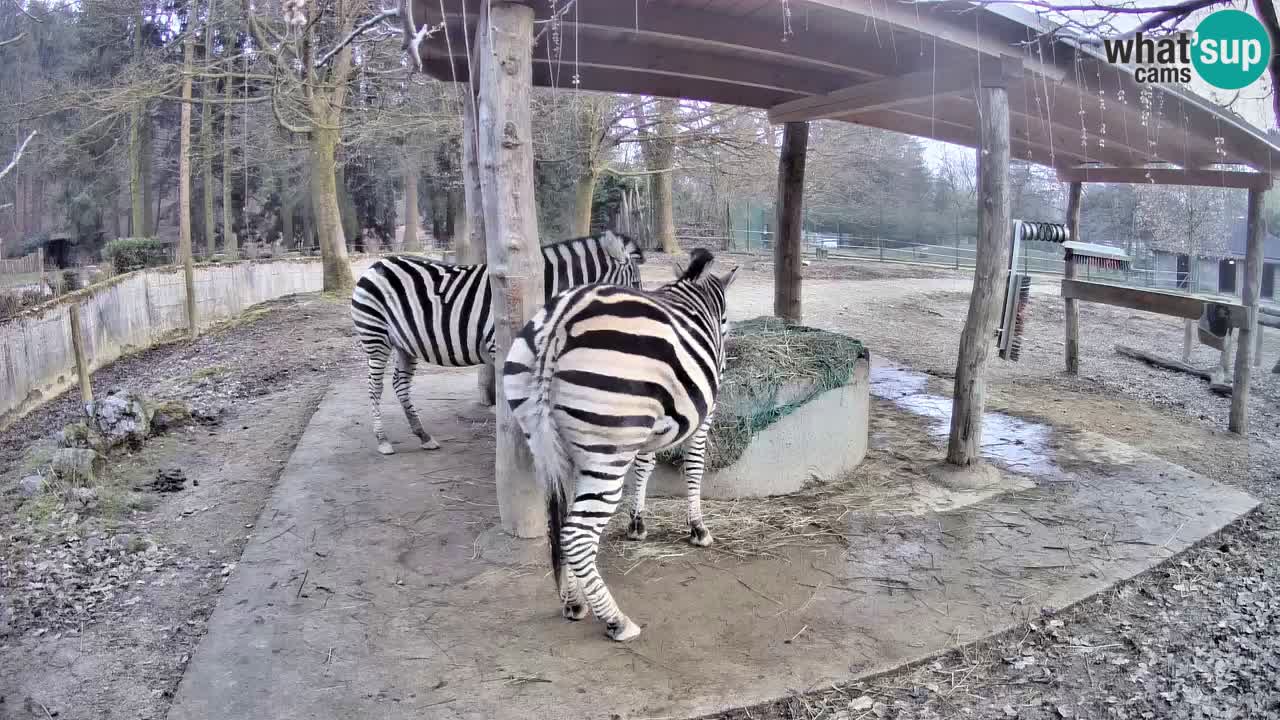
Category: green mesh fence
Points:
column 772, row 369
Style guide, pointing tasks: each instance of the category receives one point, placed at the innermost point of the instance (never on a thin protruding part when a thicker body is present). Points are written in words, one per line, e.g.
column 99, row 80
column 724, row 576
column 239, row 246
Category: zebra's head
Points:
column 696, row 277
column 629, row 258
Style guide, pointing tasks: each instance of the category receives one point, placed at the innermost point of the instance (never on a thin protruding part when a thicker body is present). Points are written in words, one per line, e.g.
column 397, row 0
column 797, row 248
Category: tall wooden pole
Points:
column 505, row 154
column 788, row 245
column 991, row 261
column 82, row 360
column 184, row 185
column 470, row 242
column 1249, row 292
column 1073, row 308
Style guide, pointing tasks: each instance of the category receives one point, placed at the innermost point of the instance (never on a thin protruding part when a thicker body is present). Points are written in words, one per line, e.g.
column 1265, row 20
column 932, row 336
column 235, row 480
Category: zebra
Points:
column 440, row 313
column 599, row 380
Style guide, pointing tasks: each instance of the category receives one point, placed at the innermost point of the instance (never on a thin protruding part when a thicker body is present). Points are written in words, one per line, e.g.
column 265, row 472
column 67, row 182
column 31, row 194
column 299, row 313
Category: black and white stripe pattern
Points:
column 417, row 309
column 602, row 378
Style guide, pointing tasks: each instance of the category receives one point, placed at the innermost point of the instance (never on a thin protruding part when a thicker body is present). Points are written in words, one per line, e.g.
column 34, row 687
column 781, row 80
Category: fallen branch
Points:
column 17, row 155
column 1157, row 361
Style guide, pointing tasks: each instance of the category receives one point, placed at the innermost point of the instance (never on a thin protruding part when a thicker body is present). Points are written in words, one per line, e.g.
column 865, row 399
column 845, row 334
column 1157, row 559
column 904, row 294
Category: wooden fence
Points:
column 32, row 263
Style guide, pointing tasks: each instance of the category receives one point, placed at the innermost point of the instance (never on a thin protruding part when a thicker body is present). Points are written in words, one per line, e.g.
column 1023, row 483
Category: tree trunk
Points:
column 184, row 186
column 659, row 150
column 206, row 143
column 511, row 221
column 230, row 243
column 472, row 230
column 411, row 215
column 584, row 191
column 138, row 201
column 664, row 213
column 150, row 201
column 788, row 246
column 965, row 439
column 328, row 216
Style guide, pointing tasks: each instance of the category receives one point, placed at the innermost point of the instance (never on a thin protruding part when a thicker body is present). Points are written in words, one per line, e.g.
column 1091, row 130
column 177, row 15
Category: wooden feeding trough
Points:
column 793, row 408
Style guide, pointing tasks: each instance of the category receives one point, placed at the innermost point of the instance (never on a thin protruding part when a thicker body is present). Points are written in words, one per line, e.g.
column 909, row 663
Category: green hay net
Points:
column 771, row 370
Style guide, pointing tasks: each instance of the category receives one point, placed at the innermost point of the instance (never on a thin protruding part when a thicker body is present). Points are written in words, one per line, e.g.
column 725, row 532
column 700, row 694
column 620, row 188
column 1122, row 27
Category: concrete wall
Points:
column 132, row 312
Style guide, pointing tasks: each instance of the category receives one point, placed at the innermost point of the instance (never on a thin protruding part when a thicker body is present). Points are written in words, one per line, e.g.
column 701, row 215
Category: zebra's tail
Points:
column 527, row 382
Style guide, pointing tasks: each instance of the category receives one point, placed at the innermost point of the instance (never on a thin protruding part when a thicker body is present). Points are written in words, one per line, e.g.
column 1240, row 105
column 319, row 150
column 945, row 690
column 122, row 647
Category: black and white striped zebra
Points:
column 601, row 379
column 417, row 309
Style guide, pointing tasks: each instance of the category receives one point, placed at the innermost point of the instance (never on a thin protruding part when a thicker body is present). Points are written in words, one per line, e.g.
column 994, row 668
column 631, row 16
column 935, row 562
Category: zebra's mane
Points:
column 699, row 263
column 614, row 244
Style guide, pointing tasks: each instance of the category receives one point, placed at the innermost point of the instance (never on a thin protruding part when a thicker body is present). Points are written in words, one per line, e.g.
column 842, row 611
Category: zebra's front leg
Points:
column 402, row 382
column 377, row 368
column 694, row 466
column 643, row 468
column 598, row 495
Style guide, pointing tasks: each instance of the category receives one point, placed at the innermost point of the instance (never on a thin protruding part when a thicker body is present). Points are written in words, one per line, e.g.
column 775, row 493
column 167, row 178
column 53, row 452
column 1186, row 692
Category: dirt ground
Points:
column 1199, row 637
column 101, row 608
column 130, row 583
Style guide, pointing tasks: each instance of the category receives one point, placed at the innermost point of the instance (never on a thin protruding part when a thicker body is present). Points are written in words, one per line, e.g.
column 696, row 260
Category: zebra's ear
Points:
column 612, row 244
column 727, row 279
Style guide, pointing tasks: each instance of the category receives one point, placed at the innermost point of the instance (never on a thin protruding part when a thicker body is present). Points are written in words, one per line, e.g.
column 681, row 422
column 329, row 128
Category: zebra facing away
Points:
column 417, row 309
column 601, row 379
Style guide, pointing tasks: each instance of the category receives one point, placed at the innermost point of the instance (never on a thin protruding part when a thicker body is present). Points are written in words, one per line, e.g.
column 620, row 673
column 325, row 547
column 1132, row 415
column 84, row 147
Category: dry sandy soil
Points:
column 100, row 608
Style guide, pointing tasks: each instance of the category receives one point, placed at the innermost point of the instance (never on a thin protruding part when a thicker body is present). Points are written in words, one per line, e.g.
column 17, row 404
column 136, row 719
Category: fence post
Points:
column 880, row 244
column 82, row 363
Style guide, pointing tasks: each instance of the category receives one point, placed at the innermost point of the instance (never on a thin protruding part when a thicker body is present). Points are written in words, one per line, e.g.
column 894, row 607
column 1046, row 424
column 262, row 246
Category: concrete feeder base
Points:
column 821, row 440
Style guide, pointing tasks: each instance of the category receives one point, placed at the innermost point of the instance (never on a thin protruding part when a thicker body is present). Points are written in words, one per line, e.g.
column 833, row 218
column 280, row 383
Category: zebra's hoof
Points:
column 574, row 611
column 430, row 444
column 622, row 631
column 385, row 448
column 636, row 530
column 700, row 536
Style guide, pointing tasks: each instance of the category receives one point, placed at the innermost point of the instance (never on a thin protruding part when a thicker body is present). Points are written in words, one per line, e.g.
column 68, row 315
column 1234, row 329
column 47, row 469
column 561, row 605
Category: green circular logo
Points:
column 1231, row 49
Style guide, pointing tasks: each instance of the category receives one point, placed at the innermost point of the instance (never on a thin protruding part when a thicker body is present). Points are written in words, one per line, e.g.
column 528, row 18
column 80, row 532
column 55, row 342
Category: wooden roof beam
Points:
column 1167, row 176
column 911, row 18
column 876, row 95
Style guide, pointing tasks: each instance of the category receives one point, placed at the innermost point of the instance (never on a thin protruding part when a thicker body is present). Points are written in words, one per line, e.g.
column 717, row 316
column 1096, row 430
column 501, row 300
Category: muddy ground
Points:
column 1199, row 637
column 103, row 606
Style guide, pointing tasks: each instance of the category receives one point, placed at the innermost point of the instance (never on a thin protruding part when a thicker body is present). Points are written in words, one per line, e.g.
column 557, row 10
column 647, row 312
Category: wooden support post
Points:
column 1188, row 339
column 965, row 441
column 469, row 243
column 1249, row 292
column 1073, row 307
column 505, row 154
column 82, row 362
column 788, row 246
column 1257, row 344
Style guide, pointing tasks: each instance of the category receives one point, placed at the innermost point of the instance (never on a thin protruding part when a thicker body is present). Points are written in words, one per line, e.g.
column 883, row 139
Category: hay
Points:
column 771, row 369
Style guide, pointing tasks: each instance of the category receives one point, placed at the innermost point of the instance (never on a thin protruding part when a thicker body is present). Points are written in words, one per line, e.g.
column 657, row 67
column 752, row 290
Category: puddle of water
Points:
column 1016, row 444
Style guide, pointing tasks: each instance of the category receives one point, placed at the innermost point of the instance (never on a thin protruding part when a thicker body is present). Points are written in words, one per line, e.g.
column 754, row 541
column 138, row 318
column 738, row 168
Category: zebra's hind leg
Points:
column 377, row 367
column 402, row 381
column 643, row 468
column 694, row 466
column 599, row 490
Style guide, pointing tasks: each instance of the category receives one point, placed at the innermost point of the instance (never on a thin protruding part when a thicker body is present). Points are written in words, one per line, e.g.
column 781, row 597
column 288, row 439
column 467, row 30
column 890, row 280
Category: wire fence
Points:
column 1036, row 258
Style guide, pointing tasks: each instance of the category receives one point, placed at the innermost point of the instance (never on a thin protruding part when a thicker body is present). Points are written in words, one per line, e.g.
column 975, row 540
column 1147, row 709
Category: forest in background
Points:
column 301, row 139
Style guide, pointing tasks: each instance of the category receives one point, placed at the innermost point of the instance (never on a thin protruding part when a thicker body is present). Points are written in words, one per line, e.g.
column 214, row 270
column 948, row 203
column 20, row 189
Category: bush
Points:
column 128, row 254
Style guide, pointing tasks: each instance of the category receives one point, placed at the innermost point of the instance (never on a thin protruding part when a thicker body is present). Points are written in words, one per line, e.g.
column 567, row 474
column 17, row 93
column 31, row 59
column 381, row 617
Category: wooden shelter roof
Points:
column 907, row 67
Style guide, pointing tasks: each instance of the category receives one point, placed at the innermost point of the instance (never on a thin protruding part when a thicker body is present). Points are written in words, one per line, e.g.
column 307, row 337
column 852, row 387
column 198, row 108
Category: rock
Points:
column 84, row 498
column 78, row 466
column 168, row 480
column 862, row 703
column 122, row 418
column 80, row 435
column 208, row 413
column 168, row 415
column 31, row 485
